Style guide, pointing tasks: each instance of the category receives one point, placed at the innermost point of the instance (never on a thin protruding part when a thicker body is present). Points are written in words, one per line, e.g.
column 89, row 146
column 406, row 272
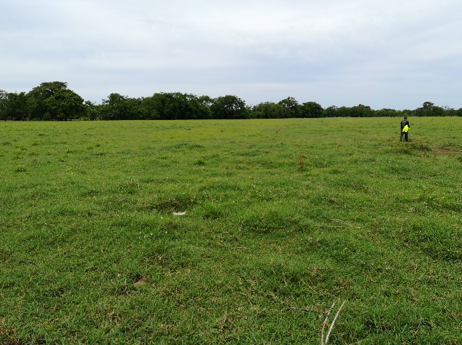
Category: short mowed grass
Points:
column 91, row 251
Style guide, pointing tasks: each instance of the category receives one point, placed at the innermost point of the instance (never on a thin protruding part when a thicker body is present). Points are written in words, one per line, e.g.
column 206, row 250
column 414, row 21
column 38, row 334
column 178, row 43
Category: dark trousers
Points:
column 406, row 136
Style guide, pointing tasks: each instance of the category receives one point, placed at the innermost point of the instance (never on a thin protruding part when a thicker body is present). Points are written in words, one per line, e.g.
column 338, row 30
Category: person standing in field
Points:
column 405, row 129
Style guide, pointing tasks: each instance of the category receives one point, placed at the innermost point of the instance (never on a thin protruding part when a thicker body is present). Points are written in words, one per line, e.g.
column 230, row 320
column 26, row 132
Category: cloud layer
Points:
column 384, row 53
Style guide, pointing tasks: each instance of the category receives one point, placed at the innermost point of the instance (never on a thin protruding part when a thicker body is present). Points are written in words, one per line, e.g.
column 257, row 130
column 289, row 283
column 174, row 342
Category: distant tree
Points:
column 429, row 109
column 3, row 104
column 386, row 113
column 92, row 110
column 267, row 110
column 198, row 107
column 449, row 111
column 289, row 107
column 331, row 111
column 206, row 100
column 381, row 113
column 65, row 105
column 118, row 107
column 425, row 110
column 17, row 106
column 311, row 110
column 438, row 111
column 206, row 103
column 148, row 110
column 133, row 109
column 229, row 107
column 157, row 104
column 392, row 113
column 37, row 96
column 344, row 112
column 166, row 106
column 361, row 111
column 175, row 106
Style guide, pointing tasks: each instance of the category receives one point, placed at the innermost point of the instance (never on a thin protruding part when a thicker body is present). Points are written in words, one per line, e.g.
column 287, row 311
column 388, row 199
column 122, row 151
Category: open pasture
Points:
column 92, row 251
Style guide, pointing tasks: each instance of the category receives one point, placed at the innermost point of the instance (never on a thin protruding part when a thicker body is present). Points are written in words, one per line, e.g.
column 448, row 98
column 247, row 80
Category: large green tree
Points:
column 17, row 108
column 92, row 110
column 267, row 110
column 38, row 95
column 361, row 111
column 311, row 109
column 198, row 107
column 331, row 111
column 229, row 107
column 290, row 107
column 385, row 112
column 176, row 105
column 118, row 107
column 3, row 104
column 429, row 109
column 166, row 106
column 64, row 105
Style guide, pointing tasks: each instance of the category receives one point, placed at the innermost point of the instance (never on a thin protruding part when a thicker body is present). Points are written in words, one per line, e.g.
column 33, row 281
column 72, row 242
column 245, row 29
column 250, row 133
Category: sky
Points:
column 382, row 53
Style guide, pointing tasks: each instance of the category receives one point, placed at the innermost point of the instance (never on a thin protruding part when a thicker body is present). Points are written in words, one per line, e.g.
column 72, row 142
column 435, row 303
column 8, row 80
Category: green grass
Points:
column 264, row 248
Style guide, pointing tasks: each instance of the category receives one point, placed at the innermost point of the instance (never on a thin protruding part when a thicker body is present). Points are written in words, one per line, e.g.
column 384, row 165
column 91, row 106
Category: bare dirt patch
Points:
column 437, row 149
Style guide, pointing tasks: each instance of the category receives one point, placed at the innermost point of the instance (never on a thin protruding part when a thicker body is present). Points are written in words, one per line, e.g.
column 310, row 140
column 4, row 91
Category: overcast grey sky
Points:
column 382, row 53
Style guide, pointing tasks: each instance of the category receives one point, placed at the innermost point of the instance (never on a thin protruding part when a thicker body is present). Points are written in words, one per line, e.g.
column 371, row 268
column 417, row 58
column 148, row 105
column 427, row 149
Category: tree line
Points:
column 53, row 101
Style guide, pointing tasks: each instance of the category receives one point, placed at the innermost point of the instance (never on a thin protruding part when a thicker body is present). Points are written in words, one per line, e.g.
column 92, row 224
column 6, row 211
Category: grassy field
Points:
column 91, row 251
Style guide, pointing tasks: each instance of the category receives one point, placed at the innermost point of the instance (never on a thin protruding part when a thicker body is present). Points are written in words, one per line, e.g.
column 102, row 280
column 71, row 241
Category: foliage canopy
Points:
column 54, row 101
